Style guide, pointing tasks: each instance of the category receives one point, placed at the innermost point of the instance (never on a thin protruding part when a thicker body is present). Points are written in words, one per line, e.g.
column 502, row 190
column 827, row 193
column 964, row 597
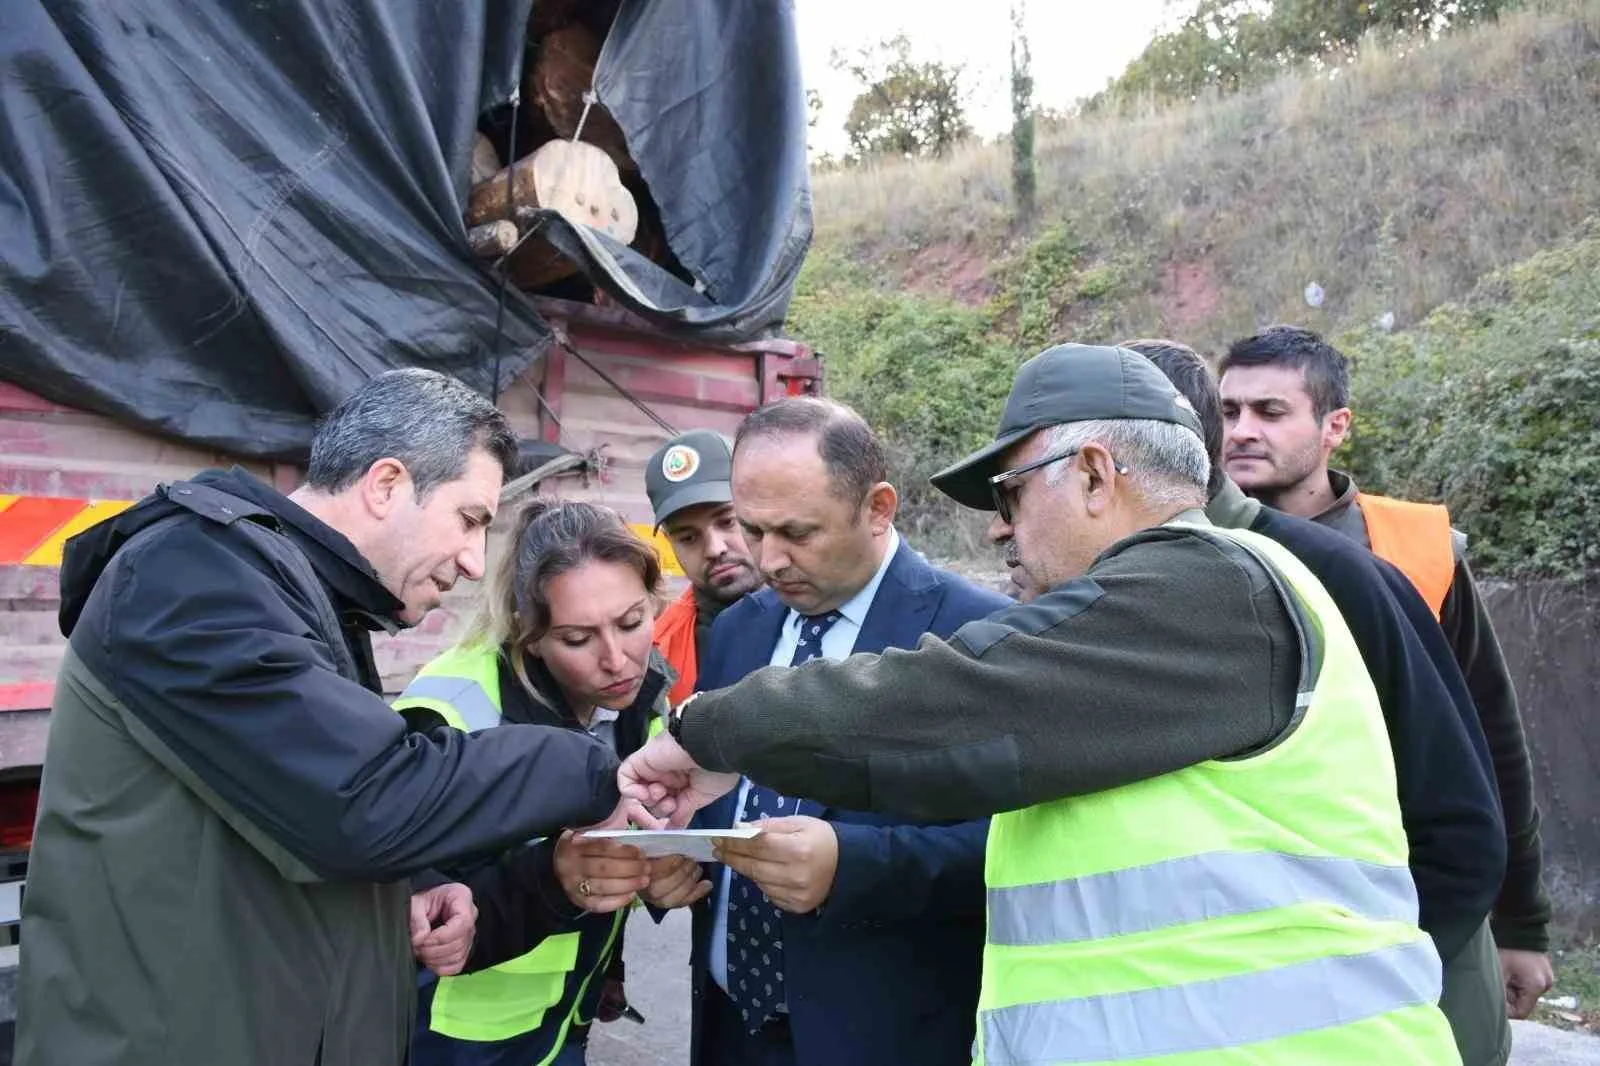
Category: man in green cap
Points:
column 1196, row 848
column 689, row 482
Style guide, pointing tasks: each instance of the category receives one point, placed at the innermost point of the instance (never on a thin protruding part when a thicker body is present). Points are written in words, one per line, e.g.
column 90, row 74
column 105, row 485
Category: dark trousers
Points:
column 727, row 1043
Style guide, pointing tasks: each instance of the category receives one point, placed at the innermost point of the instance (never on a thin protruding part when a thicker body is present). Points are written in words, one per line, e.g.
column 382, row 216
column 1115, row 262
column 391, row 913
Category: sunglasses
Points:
column 1004, row 492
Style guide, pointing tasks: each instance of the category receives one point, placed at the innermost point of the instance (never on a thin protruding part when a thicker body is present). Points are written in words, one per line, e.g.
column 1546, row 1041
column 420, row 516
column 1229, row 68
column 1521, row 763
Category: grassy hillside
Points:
column 1396, row 184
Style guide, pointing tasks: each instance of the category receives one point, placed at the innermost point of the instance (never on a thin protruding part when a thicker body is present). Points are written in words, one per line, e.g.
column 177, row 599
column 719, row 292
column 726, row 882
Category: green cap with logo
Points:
column 694, row 467
column 1068, row 383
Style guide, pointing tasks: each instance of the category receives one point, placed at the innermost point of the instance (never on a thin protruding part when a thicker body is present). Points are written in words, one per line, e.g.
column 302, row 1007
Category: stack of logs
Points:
column 576, row 164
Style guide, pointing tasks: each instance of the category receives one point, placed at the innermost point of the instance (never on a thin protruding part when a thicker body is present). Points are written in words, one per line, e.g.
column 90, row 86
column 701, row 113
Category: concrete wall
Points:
column 1550, row 632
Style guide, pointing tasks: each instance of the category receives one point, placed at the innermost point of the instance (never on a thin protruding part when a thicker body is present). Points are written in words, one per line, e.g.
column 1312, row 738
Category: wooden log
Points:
column 578, row 181
column 485, row 160
column 551, row 15
column 492, row 239
column 582, row 183
column 490, row 200
column 561, row 73
column 536, row 264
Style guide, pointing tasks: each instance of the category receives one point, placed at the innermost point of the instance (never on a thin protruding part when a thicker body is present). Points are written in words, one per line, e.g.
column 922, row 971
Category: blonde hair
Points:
column 551, row 537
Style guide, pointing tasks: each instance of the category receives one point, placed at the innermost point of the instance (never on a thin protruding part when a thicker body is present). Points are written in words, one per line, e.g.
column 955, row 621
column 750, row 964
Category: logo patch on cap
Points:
column 680, row 463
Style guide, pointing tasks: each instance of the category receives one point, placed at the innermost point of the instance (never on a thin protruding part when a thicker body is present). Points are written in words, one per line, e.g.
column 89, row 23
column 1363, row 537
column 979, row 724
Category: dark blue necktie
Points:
column 755, row 935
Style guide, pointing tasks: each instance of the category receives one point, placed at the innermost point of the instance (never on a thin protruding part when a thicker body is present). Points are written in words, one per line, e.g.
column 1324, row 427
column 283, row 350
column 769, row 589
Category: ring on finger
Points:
column 583, row 887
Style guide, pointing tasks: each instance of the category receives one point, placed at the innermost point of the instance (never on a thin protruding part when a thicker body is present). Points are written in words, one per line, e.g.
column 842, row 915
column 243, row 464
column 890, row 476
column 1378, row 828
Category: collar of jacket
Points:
column 355, row 584
column 1230, row 508
column 1344, row 495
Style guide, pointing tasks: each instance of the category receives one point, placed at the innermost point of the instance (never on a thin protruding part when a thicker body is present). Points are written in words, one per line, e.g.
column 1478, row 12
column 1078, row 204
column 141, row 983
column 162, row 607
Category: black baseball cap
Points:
column 694, row 467
column 1068, row 383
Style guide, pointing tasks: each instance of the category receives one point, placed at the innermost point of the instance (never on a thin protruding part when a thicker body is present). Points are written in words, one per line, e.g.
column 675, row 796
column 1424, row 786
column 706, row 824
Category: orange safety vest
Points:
column 675, row 640
column 1416, row 538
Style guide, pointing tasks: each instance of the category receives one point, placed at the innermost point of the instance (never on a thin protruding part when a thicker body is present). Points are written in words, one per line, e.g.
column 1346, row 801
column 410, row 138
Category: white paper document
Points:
column 695, row 843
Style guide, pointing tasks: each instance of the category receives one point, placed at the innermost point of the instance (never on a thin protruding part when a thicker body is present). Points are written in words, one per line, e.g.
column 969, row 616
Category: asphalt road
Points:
column 658, row 985
column 657, row 960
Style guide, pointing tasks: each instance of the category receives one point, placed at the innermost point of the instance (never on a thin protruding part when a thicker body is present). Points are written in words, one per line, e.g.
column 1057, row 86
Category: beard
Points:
column 1284, row 470
column 744, row 581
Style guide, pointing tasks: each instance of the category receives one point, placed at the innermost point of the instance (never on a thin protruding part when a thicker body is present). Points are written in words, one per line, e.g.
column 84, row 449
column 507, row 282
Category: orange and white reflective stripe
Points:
column 33, row 529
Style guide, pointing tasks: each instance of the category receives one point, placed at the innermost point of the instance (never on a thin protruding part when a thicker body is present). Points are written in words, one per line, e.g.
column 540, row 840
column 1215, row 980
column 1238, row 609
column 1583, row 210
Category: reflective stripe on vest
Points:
column 474, row 709
column 1257, row 907
column 1416, row 538
column 1193, row 889
column 1259, row 1006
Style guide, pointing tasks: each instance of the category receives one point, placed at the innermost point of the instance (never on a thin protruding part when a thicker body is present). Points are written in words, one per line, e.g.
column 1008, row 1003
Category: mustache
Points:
column 725, row 559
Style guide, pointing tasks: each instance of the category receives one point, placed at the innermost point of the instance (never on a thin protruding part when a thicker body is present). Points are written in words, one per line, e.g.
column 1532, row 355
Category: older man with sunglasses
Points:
column 1196, row 848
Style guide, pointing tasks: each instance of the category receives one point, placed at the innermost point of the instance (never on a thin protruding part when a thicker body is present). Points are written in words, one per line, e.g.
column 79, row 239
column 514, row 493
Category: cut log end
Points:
column 492, row 239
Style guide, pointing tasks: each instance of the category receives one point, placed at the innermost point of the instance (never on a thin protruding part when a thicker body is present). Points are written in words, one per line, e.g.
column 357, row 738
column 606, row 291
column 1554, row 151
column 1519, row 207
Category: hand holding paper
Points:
column 794, row 860
column 675, row 881
column 599, row 874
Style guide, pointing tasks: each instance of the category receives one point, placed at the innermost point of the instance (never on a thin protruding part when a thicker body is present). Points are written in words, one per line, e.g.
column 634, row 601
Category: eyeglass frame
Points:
column 1002, row 505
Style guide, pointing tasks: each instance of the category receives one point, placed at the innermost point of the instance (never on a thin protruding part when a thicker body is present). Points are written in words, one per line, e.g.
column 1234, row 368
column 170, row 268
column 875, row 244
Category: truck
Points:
column 226, row 267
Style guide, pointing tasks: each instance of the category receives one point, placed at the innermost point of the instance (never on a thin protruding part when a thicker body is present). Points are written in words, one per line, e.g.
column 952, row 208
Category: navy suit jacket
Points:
column 887, row 970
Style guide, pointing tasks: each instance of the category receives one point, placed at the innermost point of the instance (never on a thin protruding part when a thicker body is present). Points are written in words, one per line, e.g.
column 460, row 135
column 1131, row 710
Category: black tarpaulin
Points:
column 216, row 219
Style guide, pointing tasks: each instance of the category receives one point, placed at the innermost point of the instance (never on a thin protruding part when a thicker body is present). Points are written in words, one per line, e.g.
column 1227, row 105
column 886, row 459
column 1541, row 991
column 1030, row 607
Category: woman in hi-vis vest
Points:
column 563, row 640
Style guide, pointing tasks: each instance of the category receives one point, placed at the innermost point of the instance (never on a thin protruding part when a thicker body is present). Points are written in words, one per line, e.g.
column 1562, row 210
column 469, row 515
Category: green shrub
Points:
column 930, row 375
column 1493, row 407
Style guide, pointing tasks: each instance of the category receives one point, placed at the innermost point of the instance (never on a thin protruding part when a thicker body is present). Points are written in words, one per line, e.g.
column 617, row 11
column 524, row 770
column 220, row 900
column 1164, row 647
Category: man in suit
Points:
column 835, row 938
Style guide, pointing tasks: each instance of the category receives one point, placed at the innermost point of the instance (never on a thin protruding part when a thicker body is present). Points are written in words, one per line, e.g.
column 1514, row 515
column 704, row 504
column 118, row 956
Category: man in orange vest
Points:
column 687, row 481
column 1285, row 403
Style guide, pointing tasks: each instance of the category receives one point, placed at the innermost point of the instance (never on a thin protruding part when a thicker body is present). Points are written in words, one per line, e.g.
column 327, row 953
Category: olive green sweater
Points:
column 1172, row 649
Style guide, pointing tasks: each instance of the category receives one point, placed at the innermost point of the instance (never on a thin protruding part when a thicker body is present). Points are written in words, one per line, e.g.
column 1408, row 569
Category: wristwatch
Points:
column 675, row 719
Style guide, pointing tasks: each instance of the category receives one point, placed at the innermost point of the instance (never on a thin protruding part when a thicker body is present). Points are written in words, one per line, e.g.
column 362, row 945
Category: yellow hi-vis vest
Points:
column 515, row 997
column 1256, row 910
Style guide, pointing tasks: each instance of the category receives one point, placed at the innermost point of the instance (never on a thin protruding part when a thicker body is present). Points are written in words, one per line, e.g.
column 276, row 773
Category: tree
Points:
column 907, row 107
column 1022, row 173
column 1230, row 44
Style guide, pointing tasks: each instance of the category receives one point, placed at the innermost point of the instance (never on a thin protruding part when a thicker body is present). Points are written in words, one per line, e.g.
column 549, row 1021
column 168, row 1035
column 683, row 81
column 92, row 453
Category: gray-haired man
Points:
column 230, row 809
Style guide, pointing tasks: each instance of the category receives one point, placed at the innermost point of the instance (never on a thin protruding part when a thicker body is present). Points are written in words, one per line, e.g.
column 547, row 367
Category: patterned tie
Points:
column 755, row 937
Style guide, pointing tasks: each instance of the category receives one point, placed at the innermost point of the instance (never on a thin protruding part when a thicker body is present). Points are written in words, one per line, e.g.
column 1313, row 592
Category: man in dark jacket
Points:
column 1446, row 780
column 230, row 809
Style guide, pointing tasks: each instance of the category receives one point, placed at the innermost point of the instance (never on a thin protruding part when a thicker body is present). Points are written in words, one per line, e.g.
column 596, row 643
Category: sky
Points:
column 1077, row 46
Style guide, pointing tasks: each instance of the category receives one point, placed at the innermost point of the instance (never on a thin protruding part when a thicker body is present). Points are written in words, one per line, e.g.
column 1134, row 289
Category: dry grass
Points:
column 1394, row 183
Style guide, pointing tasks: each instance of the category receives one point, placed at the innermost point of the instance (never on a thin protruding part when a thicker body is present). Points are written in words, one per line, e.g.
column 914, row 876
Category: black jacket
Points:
column 1442, row 766
column 1522, row 911
column 201, row 639
column 229, row 806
